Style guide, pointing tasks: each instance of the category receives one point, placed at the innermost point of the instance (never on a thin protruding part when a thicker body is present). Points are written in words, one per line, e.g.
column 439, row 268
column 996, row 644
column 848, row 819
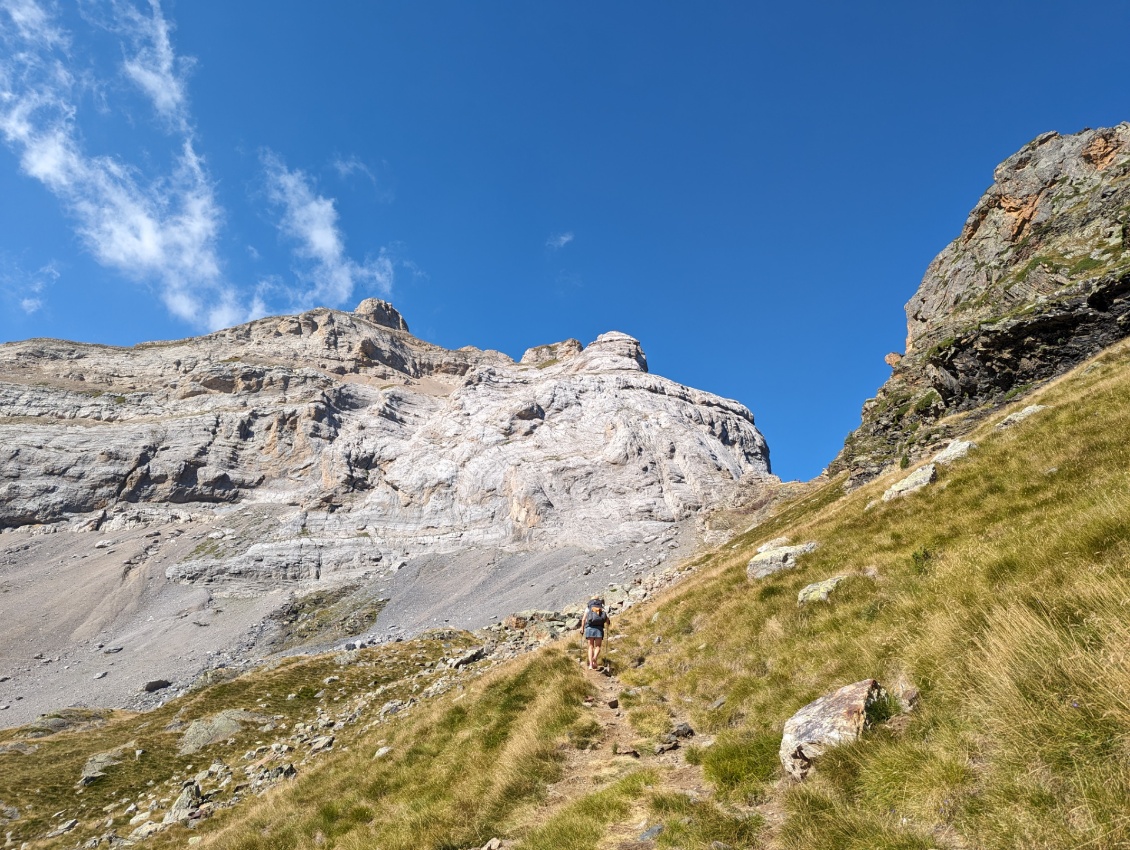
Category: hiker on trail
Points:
column 594, row 622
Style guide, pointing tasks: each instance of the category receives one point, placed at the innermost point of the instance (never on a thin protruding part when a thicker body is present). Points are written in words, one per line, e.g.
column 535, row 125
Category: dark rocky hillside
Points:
column 1037, row 282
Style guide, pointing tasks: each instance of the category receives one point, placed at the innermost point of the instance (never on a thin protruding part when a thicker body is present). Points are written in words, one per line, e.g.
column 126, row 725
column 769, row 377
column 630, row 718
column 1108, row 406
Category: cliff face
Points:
column 355, row 424
column 1037, row 281
column 180, row 499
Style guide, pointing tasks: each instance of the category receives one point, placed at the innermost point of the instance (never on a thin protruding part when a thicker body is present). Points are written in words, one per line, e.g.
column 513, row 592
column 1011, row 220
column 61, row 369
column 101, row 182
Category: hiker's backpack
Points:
column 597, row 616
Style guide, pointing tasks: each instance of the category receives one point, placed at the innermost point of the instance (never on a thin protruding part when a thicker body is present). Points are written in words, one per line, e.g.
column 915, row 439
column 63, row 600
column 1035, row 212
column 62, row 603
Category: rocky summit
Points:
column 166, row 507
column 1038, row 281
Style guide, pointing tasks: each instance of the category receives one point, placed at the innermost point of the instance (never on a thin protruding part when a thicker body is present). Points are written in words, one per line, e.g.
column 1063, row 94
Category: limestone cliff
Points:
column 167, row 498
column 1037, row 281
column 359, row 426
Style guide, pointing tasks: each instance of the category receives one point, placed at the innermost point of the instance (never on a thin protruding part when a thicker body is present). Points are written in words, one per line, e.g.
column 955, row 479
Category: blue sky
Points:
column 753, row 190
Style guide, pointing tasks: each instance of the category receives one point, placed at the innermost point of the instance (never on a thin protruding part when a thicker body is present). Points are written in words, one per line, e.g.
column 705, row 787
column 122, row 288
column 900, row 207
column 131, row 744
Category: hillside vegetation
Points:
column 1000, row 593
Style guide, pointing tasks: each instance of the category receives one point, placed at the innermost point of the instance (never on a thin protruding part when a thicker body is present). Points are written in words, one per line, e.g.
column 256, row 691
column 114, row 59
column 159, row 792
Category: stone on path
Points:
column 774, row 560
column 834, row 719
column 918, row 479
column 818, row 591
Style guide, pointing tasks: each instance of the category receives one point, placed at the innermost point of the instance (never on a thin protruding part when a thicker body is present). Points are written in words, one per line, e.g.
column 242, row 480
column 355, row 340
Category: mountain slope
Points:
column 167, row 498
column 992, row 601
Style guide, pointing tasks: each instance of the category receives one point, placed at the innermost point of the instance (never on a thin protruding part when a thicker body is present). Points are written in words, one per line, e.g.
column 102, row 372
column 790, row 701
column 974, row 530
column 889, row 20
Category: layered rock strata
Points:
column 1038, row 281
column 178, row 487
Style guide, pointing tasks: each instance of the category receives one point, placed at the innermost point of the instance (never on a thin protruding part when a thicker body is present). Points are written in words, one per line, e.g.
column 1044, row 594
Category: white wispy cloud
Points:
column 152, row 65
column 348, row 166
column 160, row 228
column 559, row 240
column 310, row 222
column 27, row 289
column 159, row 225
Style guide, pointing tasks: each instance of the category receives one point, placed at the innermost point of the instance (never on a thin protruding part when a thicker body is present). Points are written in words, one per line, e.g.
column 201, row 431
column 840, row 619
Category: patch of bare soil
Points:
column 616, row 750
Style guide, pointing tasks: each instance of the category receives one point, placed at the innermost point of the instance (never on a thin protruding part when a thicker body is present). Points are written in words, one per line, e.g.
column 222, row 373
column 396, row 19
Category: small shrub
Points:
column 920, row 560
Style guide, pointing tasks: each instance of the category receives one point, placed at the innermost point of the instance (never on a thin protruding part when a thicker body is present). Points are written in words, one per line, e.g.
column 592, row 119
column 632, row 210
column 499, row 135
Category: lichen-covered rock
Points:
column 955, row 451
column 920, row 478
column 1020, row 415
column 218, row 727
column 95, row 766
column 776, row 559
column 836, row 718
column 818, row 591
column 1037, row 282
column 185, row 804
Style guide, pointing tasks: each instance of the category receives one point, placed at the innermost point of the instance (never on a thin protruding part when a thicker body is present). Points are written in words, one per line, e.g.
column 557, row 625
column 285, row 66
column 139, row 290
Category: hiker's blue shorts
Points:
column 593, row 632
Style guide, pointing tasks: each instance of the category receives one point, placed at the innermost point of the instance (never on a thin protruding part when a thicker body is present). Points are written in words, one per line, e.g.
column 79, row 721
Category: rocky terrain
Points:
column 178, row 499
column 1038, row 281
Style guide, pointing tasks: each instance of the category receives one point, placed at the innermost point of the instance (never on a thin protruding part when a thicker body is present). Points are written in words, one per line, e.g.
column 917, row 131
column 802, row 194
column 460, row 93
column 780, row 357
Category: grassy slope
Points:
column 1002, row 593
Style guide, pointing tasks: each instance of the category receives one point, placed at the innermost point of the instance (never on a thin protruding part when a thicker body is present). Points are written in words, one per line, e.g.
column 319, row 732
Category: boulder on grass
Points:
column 818, row 591
column 218, row 727
column 187, row 803
column 954, row 451
column 774, row 560
column 834, row 719
column 918, row 479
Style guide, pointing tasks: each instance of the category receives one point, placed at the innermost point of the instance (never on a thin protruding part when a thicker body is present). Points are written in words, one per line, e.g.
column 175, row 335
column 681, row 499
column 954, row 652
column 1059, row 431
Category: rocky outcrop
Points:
column 547, row 355
column 381, row 313
column 1038, row 281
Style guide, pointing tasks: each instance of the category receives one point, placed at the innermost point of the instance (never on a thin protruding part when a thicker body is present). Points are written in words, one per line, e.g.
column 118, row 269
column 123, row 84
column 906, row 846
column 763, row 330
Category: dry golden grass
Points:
column 1002, row 593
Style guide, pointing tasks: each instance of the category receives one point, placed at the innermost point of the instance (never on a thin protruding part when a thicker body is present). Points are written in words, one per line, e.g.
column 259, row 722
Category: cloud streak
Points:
column 559, row 240
column 161, row 228
column 161, row 225
column 28, row 290
column 154, row 66
column 309, row 221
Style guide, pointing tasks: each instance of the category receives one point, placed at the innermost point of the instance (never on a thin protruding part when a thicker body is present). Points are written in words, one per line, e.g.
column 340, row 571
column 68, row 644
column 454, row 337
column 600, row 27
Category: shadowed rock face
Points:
column 159, row 497
column 1038, row 280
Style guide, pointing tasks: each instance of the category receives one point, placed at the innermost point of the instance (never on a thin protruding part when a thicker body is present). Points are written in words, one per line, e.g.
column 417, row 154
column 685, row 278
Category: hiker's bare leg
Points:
column 592, row 652
column 595, row 642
